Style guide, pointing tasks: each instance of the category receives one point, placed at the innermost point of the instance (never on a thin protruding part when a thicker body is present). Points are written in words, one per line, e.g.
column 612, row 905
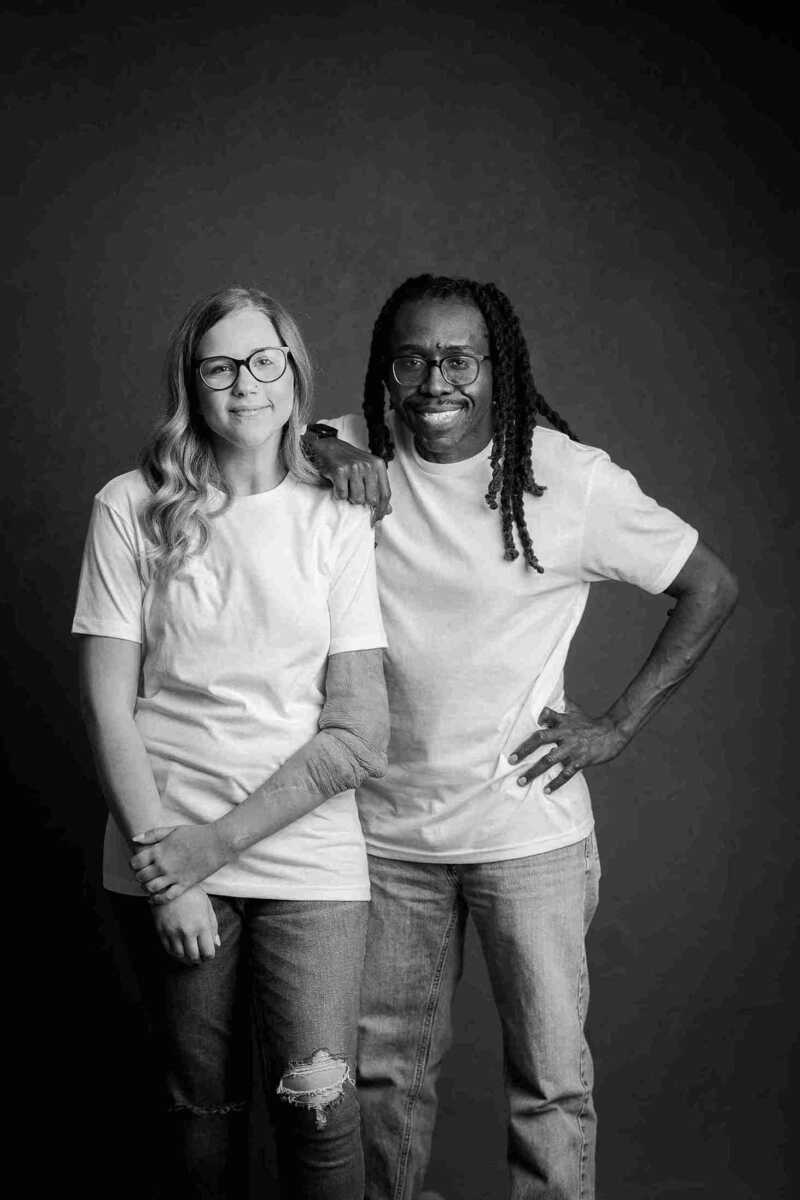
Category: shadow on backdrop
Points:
column 625, row 178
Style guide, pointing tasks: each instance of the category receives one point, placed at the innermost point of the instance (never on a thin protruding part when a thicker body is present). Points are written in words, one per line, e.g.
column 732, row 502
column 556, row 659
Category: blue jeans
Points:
column 531, row 915
column 293, row 969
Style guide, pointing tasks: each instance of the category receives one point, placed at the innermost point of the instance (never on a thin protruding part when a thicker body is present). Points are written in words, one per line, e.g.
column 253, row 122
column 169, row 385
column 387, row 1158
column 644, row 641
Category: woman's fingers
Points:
column 145, row 874
column 154, row 886
column 190, row 947
column 212, row 920
column 152, row 835
column 206, row 945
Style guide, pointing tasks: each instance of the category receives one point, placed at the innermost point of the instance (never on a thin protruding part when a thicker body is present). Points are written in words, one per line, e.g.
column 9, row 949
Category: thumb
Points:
column 152, row 835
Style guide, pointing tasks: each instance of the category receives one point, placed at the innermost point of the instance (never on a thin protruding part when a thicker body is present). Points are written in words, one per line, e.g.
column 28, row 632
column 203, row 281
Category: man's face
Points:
column 449, row 421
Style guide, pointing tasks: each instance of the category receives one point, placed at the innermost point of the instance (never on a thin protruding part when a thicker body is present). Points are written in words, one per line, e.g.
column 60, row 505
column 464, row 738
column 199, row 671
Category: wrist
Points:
column 228, row 837
column 314, row 440
column 621, row 725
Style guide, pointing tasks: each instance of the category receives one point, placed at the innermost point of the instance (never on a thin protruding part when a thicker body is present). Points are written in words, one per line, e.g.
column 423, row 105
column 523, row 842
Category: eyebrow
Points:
column 277, row 346
column 450, row 346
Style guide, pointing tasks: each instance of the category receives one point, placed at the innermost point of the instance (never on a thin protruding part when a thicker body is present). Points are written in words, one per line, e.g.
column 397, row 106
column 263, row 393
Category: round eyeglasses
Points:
column 222, row 371
column 459, row 369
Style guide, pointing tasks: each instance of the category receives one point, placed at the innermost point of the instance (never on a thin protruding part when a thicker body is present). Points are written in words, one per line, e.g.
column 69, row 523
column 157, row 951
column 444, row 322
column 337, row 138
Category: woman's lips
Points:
column 249, row 412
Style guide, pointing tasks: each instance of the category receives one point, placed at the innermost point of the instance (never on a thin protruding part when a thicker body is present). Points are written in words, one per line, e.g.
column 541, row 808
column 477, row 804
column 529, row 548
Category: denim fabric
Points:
column 531, row 915
column 294, row 968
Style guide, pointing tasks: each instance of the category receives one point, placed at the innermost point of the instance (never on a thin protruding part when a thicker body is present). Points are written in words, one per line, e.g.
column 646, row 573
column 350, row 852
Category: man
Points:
column 484, row 809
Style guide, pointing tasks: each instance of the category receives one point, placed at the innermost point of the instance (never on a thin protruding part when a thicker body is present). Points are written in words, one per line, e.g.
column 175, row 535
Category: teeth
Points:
column 444, row 417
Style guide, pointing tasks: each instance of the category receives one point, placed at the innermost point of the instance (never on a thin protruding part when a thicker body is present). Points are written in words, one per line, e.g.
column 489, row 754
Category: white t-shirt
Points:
column 234, row 654
column 477, row 645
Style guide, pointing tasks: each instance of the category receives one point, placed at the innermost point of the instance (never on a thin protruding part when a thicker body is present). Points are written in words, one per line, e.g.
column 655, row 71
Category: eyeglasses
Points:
column 459, row 369
column 222, row 371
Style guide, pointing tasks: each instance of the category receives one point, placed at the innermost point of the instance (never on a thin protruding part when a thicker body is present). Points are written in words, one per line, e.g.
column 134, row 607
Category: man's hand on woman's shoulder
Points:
column 356, row 475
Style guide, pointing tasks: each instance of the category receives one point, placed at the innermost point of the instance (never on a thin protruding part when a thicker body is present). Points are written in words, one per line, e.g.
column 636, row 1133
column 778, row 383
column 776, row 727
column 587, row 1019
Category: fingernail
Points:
column 547, row 791
column 512, row 758
column 522, row 780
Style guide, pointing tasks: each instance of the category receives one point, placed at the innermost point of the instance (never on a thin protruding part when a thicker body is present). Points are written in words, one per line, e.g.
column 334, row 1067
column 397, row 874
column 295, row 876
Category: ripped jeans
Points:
column 293, row 969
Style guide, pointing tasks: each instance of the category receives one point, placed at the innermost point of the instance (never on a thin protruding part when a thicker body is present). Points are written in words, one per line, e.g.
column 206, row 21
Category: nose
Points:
column 245, row 381
column 434, row 383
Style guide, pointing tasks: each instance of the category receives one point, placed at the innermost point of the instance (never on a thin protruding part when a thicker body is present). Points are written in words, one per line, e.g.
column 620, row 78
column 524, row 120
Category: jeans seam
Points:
column 421, row 1062
column 582, row 1054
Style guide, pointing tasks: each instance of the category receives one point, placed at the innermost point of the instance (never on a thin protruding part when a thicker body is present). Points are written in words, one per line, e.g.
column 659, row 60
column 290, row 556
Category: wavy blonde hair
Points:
column 178, row 463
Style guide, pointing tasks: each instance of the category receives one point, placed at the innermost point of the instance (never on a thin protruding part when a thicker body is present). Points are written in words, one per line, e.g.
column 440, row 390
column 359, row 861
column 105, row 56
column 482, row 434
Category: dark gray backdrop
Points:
column 627, row 176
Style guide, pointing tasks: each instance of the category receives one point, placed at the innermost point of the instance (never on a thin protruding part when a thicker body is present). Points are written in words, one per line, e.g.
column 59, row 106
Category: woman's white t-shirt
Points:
column 234, row 654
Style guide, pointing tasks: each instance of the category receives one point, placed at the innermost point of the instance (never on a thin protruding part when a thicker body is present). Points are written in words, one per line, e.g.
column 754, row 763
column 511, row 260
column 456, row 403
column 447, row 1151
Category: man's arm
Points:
column 355, row 474
column 706, row 593
column 349, row 746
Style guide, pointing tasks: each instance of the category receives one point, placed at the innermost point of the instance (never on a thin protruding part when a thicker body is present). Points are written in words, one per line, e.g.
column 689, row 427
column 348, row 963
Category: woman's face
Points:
column 247, row 416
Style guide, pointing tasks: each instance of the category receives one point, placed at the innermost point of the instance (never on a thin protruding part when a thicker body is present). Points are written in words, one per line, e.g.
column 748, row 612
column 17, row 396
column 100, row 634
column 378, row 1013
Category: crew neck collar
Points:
column 404, row 436
column 246, row 497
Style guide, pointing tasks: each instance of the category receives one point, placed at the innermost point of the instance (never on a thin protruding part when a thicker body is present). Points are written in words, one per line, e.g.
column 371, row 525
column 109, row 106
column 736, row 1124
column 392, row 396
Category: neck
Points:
column 451, row 455
column 248, row 472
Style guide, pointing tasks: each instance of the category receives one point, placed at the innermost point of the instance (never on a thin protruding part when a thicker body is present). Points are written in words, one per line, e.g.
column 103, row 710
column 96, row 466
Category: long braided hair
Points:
column 516, row 400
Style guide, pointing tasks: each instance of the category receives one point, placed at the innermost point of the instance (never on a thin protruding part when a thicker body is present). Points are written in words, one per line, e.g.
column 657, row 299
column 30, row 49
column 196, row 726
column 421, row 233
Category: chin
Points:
column 434, row 441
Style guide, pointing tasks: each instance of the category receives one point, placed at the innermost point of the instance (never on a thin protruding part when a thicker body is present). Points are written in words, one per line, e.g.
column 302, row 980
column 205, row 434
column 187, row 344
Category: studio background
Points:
column 627, row 177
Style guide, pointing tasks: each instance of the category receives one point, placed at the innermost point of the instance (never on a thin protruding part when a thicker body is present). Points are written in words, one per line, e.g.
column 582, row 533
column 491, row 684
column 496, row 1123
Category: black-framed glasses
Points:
column 221, row 371
column 459, row 369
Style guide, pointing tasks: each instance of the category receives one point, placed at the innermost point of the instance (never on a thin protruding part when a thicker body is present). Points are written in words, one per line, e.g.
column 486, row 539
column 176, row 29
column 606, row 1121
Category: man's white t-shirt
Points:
column 477, row 645
column 234, row 655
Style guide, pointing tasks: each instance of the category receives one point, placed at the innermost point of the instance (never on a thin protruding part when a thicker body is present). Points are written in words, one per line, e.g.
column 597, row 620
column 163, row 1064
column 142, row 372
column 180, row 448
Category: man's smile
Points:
column 443, row 416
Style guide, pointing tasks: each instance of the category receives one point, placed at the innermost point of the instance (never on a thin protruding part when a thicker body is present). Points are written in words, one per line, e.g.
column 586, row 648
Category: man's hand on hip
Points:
column 578, row 741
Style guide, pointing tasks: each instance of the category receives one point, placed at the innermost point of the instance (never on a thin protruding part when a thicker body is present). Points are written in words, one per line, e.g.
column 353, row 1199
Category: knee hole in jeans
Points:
column 316, row 1083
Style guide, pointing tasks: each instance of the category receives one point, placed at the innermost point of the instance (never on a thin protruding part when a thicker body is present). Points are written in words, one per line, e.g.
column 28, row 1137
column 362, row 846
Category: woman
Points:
column 231, row 678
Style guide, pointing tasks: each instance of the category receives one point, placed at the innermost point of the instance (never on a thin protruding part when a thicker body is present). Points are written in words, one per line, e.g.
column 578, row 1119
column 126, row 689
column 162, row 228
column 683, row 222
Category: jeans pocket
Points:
column 593, row 873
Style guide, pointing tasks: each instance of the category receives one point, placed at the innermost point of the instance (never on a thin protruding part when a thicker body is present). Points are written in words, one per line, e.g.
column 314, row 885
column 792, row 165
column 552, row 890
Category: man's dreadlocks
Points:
column 515, row 398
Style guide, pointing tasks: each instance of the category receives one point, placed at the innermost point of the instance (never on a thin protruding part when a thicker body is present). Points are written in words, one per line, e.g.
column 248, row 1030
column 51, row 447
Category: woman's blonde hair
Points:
column 178, row 463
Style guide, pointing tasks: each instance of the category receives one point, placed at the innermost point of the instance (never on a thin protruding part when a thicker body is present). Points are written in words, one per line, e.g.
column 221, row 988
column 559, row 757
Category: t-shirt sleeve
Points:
column 353, row 599
column 110, row 590
column 352, row 428
column 627, row 535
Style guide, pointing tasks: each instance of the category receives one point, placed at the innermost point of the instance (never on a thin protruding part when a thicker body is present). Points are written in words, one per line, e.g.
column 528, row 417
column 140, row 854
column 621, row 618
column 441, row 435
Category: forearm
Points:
column 330, row 763
column 705, row 591
column 349, row 747
column 124, row 771
column 690, row 629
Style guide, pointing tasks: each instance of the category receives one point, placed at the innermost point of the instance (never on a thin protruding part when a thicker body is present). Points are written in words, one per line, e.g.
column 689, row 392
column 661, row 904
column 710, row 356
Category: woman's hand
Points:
column 187, row 926
column 356, row 475
column 176, row 857
column 580, row 741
